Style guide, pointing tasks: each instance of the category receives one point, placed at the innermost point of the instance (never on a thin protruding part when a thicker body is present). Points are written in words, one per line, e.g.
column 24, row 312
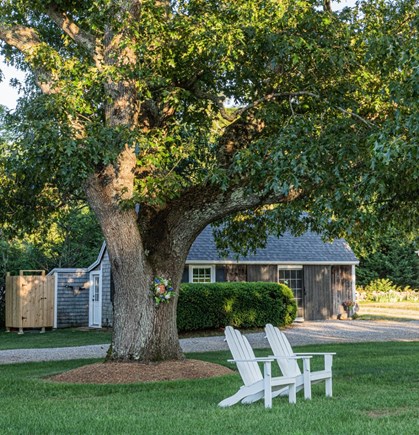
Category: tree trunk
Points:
column 143, row 330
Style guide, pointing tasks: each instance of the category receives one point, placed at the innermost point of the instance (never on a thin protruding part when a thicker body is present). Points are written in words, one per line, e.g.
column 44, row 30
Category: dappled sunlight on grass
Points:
column 389, row 310
column 375, row 391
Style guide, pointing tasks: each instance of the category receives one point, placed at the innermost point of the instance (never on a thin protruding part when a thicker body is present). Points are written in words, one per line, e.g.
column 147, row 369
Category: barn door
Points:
column 317, row 292
column 95, row 304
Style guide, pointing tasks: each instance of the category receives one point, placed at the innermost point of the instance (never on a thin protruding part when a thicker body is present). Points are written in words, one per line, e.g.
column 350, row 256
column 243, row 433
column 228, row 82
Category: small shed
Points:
column 321, row 275
column 83, row 295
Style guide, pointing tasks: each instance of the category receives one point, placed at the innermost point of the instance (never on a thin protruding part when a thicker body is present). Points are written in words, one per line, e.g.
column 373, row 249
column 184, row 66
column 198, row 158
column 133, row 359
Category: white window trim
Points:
column 289, row 267
column 292, row 267
column 201, row 266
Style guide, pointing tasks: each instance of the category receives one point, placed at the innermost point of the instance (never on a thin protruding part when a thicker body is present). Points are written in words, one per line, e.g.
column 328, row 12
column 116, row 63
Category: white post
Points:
column 306, row 378
column 353, row 282
column 55, row 299
column 267, row 375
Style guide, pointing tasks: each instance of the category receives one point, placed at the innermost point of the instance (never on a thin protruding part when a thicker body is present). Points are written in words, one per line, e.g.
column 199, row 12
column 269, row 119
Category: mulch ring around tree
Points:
column 127, row 373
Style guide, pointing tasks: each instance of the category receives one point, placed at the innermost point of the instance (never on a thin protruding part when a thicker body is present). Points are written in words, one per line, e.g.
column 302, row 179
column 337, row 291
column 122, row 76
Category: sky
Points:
column 9, row 95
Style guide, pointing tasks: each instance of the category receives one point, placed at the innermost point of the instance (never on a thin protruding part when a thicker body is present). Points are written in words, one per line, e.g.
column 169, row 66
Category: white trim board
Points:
column 282, row 263
column 99, row 258
column 55, row 300
column 69, row 270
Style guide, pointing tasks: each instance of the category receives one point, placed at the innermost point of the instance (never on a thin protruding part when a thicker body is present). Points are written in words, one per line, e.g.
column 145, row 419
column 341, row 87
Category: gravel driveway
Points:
column 331, row 331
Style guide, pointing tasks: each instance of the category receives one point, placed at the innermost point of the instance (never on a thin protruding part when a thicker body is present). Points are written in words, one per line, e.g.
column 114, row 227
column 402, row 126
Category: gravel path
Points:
column 332, row 331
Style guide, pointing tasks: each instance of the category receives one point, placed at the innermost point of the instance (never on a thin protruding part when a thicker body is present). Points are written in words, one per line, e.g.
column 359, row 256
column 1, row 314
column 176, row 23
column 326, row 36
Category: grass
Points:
column 376, row 390
column 400, row 311
column 54, row 338
column 33, row 339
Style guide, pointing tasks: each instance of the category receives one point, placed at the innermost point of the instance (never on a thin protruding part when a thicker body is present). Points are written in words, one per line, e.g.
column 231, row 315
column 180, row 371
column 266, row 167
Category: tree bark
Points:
column 142, row 330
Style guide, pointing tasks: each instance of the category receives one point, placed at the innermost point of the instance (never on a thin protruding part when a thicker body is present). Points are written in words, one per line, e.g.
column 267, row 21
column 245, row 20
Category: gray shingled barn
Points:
column 321, row 275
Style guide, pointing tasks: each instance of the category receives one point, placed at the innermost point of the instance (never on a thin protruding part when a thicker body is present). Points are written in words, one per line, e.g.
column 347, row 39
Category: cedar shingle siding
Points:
column 107, row 308
column 327, row 274
column 72, row 302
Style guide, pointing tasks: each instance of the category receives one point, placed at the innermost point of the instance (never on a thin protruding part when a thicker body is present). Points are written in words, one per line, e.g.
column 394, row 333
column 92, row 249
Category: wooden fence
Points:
column 29, row 301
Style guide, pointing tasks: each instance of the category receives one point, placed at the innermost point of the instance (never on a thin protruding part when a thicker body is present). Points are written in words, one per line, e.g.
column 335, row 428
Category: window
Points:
column 201, row 274
column 293, row 278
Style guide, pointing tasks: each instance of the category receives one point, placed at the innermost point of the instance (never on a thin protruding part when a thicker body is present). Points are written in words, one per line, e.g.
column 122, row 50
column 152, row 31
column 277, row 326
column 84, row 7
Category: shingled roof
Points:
column 287, row 249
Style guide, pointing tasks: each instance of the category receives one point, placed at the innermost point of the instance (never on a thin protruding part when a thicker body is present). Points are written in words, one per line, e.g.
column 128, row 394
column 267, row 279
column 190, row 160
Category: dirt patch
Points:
column 382, row 413
column 127, row 373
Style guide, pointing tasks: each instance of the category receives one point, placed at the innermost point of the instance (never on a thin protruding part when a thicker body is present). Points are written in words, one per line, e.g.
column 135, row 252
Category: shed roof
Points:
column 287, row 249
column 308, row 248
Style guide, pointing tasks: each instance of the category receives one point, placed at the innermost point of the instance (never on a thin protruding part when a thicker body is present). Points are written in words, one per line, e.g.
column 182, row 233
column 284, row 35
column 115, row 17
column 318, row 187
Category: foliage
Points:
column 70, row 237
column 350, row 95
column 392, row 256
column 243, row 305
column 383, row 290
column 169, row 116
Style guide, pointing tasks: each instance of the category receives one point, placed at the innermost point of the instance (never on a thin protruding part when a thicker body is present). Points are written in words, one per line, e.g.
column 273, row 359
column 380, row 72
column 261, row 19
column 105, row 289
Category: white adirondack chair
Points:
column 255, row 385
column 281, row 348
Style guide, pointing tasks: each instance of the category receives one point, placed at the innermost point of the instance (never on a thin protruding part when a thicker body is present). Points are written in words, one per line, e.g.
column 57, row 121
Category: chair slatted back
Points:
column 281, row 347
column 241, row 349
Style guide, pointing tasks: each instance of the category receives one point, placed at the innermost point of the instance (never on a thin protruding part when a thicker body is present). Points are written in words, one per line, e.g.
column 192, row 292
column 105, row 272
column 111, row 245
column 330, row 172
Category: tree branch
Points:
column 273, row 96
column 327, row 5
column 243, row 131
column 215, row 99
column 290, row 95
column 27, row 41
column 199, row 206
column 79, row 36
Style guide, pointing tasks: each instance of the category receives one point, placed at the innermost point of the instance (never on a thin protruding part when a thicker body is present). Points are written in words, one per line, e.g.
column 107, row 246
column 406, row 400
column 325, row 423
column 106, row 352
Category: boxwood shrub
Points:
column 239, row 304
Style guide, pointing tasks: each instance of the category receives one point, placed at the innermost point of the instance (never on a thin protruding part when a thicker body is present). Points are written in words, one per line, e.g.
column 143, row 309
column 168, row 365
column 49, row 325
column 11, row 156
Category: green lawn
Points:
column 376, row 391
column 54, row 338
column 399, row 311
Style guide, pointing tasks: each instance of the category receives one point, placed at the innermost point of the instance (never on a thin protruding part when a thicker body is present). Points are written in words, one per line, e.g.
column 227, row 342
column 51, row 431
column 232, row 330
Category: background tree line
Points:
column 126, row 104
column 72, row 238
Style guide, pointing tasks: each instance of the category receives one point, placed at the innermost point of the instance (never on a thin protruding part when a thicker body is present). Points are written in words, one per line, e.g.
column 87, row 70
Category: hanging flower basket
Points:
column 162, row 290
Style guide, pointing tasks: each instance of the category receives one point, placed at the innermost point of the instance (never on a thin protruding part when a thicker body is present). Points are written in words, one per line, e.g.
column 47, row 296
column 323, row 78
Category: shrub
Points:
column 384, row 290
column 239, row 304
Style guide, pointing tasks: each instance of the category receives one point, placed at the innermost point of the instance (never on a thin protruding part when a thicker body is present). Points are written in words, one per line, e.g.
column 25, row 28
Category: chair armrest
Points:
column 328, row 358
column 270, row 359
column 291, row 357
column 315, row 353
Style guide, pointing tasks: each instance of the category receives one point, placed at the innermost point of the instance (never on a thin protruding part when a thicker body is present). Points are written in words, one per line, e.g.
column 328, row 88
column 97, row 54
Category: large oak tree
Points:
column 171, row 115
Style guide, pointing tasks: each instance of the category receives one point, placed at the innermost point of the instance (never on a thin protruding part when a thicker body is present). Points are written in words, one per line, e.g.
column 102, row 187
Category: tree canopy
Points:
column 171, row 115
column 321, row 106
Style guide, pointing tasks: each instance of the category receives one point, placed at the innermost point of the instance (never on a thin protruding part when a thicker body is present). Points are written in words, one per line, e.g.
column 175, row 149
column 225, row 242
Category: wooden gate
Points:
column 29, row 301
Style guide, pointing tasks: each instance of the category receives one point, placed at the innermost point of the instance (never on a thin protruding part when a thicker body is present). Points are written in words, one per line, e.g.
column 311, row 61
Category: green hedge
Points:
column 239, row 304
